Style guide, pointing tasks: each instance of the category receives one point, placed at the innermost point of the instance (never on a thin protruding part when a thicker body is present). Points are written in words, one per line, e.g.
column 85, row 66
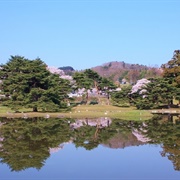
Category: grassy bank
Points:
column 85, row 111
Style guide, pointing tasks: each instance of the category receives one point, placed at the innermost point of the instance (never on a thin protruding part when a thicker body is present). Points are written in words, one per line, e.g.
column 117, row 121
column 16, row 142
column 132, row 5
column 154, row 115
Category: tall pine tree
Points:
column 27, row 83
column 171, row 70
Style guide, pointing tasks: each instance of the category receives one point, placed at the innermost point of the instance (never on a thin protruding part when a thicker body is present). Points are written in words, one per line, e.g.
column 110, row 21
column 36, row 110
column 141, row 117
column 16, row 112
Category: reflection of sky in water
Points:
column 137, row 162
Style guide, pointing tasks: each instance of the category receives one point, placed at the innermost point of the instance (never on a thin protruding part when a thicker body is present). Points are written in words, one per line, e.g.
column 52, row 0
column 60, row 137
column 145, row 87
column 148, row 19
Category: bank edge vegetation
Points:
column 29, row 84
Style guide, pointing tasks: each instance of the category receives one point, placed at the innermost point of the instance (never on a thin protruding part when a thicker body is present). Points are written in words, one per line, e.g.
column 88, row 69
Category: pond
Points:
column 56, row 148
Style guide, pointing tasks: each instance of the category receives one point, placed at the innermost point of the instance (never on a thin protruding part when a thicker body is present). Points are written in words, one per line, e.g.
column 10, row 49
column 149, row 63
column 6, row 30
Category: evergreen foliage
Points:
column 121, row 98
column 172, row 71
column 27, row 83
column 155, row 94
column 172, row 68
column 90, row 79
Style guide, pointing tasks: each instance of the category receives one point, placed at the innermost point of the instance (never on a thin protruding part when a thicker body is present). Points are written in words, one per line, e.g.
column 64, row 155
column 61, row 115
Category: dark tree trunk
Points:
column 35, row 109
column 170, row 118
column 170, row 103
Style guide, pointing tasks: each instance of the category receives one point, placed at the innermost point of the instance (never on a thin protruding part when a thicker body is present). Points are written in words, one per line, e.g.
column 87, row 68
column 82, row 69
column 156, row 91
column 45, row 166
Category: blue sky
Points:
column 87, row 33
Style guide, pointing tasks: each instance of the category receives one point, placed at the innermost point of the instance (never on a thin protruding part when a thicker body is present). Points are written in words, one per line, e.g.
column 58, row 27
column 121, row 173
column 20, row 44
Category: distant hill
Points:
column 68, row 70
column 121, row 71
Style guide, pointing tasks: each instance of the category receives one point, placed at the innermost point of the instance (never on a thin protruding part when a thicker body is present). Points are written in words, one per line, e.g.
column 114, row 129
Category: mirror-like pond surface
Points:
column 41, row 148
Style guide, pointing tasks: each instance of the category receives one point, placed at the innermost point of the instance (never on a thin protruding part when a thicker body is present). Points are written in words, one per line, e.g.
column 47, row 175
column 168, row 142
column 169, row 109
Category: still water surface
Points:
column 89, row 149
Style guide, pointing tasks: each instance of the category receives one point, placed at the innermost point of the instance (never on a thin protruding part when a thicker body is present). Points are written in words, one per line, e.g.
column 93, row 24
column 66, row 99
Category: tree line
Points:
column 29, row 84
column 159, row 92
column 26, row 144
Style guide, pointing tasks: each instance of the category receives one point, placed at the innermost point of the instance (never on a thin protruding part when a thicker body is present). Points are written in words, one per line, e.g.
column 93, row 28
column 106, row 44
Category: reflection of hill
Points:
column 27, row 143
column 121, row 140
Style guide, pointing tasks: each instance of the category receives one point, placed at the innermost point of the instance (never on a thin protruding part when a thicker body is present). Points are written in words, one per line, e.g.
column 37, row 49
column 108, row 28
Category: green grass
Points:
column 4, row 109
column 86, row 111
column 112, row 112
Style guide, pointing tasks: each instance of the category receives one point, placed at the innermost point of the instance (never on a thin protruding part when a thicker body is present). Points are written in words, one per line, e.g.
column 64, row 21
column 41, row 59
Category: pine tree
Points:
column 171, row 70
column 90, row 79
column 27, row 83
column 156, row 93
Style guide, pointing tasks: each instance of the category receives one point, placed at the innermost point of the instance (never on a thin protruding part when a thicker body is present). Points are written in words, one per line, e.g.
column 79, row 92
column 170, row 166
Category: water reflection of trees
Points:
column 165, row 132
column 26, row 143
column 90, row 136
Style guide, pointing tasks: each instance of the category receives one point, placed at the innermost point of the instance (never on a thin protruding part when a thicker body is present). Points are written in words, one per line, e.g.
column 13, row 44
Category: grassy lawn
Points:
column 110, row 111
column 86, row 111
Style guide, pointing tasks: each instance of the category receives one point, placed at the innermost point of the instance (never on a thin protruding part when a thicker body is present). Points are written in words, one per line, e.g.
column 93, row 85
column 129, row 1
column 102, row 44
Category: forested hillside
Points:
column 120, row 71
